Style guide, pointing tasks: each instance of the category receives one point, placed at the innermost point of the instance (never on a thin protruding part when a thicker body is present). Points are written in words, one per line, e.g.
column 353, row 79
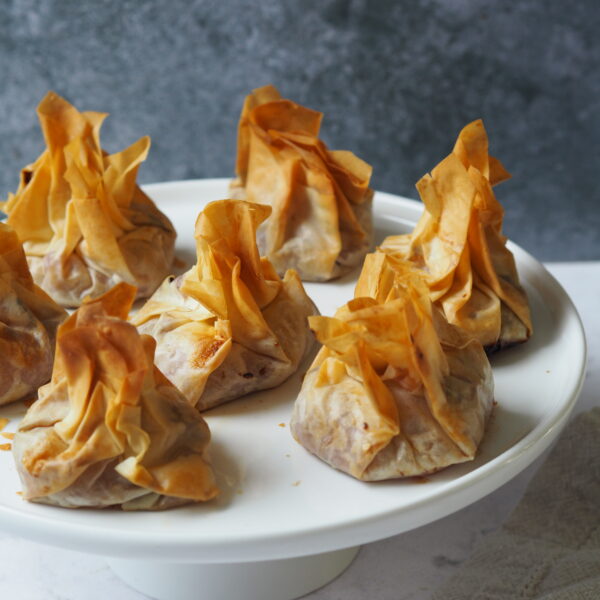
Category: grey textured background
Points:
column 396, row 81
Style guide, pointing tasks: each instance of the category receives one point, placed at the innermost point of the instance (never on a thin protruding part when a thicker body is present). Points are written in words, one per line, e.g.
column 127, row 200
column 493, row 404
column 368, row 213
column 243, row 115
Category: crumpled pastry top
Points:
column 395, row 390
column 84, row 223
column 230, row 325
column 459, row 246
column 28, row 322
column 321, row 224
column 109, row 429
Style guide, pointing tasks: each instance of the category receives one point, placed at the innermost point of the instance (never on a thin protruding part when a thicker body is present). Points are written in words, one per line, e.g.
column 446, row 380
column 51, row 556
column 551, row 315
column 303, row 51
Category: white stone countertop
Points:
column 405, row 567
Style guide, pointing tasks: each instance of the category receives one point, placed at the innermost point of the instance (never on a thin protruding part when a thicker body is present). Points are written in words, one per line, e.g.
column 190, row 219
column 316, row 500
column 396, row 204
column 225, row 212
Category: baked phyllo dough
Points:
column 395, row 391
column 230, row 325
column 459, row 247
column 109, row 429
column 321, row 224
column 28, row 322
column 84, row 223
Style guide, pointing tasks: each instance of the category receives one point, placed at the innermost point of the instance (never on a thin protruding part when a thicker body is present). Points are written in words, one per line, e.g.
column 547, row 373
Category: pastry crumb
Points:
column 296, row 483
column 3, row 423
column 8, row 435
column 5, row 447
column 281, row 424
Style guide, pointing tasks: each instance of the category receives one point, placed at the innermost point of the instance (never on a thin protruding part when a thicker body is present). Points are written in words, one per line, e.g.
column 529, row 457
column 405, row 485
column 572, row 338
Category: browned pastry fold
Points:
column 395, row 391
column 459, row 247
column 109, row 429
column 28, row 322
column 321, row 223
column 230, row 325
column 84, row 223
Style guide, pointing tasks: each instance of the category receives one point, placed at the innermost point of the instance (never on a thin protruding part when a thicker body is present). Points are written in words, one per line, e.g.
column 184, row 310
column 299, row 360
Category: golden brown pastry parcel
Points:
column 396, row 390
column 109, row 429
column 84, row 223
column 321, row 224
column 28, row 322
column 230, row 325
column 459, row 247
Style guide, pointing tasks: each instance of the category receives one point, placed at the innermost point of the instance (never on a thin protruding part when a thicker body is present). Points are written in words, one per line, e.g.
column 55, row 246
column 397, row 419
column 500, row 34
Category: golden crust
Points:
column 110, row 429
column 84, row 222
column 395, row 391
column 29, row 319
column 321, row 222
column 459, row 247
column 230, row 325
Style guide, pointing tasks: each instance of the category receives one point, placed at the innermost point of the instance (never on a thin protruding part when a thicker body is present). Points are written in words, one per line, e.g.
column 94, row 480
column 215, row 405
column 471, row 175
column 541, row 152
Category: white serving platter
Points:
column 278, row 501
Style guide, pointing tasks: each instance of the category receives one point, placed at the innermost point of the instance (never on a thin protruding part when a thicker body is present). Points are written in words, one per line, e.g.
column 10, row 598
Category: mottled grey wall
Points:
column 396, row 81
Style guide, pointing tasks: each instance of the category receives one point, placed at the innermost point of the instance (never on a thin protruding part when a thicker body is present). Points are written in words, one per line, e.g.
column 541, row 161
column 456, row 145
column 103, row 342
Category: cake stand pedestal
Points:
column 283, row 579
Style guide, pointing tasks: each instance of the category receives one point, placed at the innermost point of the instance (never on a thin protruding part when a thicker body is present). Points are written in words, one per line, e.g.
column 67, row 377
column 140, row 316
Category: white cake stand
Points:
column 286, row 523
